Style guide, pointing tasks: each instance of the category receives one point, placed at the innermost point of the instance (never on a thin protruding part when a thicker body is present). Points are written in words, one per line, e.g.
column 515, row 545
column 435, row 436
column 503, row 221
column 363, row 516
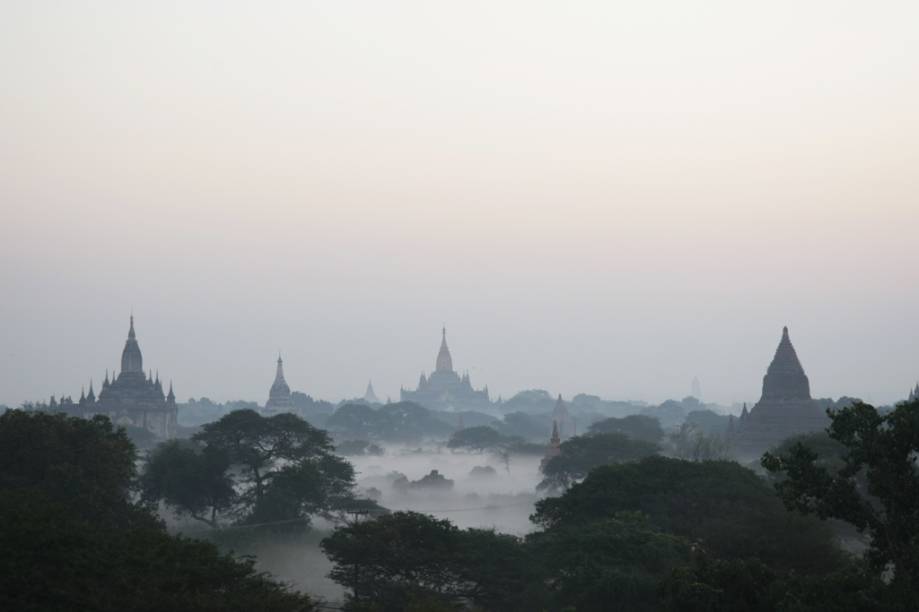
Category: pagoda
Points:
column 784, row 409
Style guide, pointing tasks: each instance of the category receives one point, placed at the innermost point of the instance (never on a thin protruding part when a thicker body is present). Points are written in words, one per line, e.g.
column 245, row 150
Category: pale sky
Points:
column 599, row 197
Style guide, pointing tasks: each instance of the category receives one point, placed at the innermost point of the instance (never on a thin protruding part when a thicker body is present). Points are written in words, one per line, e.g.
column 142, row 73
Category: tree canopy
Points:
column 581, row 454
column 635, row 426
column 72, row 539
column 726, row 508
column 262, row 469
column 876, row 488
column 479, row 438
column 191, row 478
column 406, row 558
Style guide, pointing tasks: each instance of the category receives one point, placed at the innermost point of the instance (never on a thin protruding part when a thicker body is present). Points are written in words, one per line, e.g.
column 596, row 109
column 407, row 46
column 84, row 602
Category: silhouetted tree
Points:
column 581, row 454
column 405, row 558
column 190, row 478
column 876, row 489
column 636, row 426
column 72, row 539
column 726, row 509
column 288, row 469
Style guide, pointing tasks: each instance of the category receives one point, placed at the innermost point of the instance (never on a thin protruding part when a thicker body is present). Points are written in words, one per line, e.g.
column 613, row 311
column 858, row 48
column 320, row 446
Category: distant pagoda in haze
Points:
column 563, row 419
column 913, row 394
column 444, row 389
column 279, row 394
column 785, row 408
column 131, row 399
column 553, row 449
column 369, row 396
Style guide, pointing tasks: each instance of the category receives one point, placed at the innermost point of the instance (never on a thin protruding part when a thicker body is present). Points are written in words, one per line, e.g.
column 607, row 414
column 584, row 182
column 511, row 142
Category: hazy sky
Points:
column 601, row 197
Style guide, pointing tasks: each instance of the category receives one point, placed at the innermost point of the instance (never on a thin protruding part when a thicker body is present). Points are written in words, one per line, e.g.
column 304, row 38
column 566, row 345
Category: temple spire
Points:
column 444, row 359
column 131, row 359
column 279, row 374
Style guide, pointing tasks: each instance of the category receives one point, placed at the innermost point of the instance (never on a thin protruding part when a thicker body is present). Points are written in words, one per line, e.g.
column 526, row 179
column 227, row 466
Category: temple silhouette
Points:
column 131, row 399
column 444, row 389
column 279, row 394
column 785, row 408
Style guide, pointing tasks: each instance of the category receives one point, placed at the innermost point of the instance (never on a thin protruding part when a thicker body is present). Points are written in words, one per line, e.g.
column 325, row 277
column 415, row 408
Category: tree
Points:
column 726, row 509
column 288, row 469
column 876, row 489
column 86, row 465
column 191, row 478
column 693, row 443
column 620, row 559
column 635, row 426
column 830, row 453
column 479, row 439
column 581, row 454
column 359, row 448
column 72, row 539
column 406, row 557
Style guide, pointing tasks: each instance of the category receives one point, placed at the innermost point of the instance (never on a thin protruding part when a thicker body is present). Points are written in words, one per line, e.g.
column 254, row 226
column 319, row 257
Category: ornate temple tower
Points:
column 785, row 408
column 131, row 399
column 444, row 389
column 279, row 394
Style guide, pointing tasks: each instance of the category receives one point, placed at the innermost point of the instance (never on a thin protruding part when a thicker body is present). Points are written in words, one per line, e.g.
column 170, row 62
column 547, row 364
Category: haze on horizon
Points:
column 593, row 198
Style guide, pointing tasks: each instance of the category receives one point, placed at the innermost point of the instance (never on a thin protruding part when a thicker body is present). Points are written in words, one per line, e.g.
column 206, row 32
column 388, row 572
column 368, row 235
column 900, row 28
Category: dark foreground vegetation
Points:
column 72, row 538
column 632, row 530
column 668, row 534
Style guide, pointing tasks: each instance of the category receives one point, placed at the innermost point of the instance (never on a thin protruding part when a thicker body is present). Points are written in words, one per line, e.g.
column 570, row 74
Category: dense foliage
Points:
column 581, row 454
column 72, row 539
column 636, row 426
column 876, row 488
column 403, row 422
column 264, row 469
column 407, row 559
column 725, row 508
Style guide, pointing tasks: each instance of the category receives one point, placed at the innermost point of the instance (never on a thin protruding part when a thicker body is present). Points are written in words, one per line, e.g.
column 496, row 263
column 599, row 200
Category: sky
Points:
column 599, row 197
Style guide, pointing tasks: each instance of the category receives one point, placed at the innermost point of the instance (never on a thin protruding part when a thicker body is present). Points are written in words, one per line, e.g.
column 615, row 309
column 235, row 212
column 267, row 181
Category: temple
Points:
column 132, row 399
column 563, row 420
column 369, row 396
column 554, row 448
column 913, row 394
column 444, row 389
column 279, row 394
column 785, row 408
